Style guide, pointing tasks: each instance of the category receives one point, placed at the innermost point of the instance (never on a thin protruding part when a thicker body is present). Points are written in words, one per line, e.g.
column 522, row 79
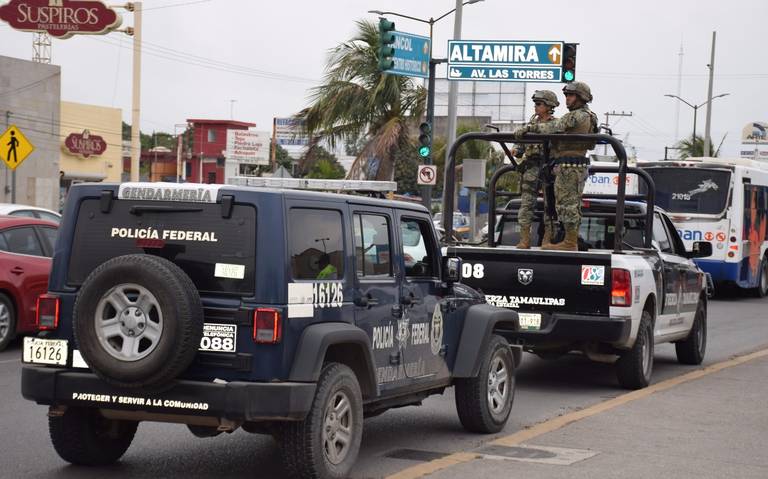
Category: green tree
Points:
column 694, row 147
column 159, row 138
column 356, row 100
column 406, row 169
column 282, row 158
column 322, row 164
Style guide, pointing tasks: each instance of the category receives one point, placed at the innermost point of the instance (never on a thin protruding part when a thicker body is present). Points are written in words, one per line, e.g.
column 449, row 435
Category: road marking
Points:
column 562, row 421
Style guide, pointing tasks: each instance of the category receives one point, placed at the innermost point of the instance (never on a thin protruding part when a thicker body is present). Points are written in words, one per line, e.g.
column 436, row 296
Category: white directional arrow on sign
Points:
column 554, row 53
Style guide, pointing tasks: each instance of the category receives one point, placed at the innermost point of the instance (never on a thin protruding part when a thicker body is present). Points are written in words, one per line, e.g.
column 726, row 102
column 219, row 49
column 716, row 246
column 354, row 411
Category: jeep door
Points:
column 421, row 295
column 376, row 293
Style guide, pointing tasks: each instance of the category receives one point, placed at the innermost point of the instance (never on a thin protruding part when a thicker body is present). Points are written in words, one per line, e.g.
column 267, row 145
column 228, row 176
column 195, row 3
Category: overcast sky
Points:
column 628, row 54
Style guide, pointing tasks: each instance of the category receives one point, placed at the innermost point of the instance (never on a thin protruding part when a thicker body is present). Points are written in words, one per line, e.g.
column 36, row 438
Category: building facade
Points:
column 205, row 156
column 30, row 96
column 91, row 144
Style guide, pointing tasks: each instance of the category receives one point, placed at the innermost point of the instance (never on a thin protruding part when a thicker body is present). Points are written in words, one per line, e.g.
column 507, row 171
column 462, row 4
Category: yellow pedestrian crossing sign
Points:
column 14, row 147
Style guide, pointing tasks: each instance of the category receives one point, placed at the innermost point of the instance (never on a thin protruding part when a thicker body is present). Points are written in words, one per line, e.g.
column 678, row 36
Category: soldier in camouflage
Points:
column 532, row 162
column 569, row 160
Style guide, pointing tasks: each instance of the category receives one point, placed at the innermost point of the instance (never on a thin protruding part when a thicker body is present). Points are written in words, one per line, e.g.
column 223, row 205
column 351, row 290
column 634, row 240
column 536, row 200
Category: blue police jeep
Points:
column 288, row 313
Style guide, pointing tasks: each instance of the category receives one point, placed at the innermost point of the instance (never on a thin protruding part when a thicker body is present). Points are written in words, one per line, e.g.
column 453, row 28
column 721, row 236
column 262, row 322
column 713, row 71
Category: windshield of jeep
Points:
column 690, row 190
column 217, row 253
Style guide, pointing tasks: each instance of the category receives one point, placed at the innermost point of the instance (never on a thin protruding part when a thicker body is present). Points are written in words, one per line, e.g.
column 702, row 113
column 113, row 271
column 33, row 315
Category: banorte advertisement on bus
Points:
column 60, row 18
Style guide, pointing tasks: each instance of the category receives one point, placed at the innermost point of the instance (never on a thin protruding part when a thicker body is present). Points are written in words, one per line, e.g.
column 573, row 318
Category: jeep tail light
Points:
column 47, row 316
column 621, row 287
column 150, row 243
column 267, row 327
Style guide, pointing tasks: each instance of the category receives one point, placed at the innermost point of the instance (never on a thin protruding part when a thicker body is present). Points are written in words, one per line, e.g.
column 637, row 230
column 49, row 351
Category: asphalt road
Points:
column 545, row 389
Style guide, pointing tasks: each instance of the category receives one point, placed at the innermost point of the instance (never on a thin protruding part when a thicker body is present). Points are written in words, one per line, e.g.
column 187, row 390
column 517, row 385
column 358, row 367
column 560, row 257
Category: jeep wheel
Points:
column 761, row 291
column 635, row 366
column 84, row 437
column 692, row 349
column 138, row 321
column 7, row 321
column 325, row 444
column 484, row 402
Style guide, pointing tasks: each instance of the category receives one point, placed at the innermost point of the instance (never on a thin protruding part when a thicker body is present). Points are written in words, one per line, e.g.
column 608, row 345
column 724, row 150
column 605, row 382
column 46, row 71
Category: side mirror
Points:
column 701, row 249
column 451, row 270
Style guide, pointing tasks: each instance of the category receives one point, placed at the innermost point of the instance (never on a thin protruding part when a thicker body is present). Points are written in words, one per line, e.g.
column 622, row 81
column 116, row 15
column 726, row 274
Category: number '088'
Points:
column 469, row 270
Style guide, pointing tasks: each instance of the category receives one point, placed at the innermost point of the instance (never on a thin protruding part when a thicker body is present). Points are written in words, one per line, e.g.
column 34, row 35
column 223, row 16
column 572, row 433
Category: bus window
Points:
column 691, row 190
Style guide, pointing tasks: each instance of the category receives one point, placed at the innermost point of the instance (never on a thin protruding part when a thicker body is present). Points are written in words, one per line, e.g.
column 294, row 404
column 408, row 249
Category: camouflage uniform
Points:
column 569, row 158
column 530, row 171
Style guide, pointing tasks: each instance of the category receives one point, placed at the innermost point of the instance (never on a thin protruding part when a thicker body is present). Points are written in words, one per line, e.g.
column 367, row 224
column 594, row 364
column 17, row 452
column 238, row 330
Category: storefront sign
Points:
column 60, row 18
column 85, row 144
column 248, row 147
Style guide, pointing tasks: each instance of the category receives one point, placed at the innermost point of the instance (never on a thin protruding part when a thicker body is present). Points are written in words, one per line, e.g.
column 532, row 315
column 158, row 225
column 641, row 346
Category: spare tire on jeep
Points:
column 138, row 321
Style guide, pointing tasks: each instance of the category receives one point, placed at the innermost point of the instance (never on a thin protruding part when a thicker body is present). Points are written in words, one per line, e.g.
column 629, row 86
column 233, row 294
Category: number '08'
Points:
column 469, row 270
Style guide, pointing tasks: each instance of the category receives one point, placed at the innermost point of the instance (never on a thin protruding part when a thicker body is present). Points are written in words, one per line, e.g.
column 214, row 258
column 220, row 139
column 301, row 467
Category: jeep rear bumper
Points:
column 235, row 401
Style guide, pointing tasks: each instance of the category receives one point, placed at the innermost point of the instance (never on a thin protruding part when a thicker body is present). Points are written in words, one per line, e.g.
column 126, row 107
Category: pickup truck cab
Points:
column 630, row 286
column 282, row 312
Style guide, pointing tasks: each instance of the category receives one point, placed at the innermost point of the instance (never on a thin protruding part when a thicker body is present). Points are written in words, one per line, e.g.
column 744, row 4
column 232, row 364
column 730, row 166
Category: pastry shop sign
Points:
column 85, row 144
column 60, row 18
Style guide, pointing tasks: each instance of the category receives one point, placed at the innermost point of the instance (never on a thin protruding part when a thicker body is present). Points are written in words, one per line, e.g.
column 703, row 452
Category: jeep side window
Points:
column 372, row 246
column 660, row 235
column 418, row 256
column 317, row 244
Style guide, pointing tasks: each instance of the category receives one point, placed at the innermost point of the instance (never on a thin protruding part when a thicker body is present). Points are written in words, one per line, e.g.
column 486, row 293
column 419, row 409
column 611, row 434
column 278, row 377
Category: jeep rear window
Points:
column 217, row 253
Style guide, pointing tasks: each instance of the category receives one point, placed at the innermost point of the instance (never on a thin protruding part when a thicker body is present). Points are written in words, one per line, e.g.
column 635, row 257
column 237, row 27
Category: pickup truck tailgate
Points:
column 547, row 282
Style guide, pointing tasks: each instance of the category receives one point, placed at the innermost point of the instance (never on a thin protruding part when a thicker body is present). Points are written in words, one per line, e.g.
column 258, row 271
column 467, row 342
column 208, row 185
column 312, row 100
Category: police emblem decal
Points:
column 525, row 276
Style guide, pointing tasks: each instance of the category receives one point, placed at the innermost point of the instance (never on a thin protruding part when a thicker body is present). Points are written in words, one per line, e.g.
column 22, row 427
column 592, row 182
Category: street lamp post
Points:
column 695, row 112
column 426, row 192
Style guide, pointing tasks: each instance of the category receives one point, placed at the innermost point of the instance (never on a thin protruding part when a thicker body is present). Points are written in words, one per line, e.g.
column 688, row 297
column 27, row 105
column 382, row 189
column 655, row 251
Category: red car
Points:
column 26, row 247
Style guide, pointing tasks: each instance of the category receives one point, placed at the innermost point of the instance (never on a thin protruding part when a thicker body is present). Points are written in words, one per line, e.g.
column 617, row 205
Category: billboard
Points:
column 754, row 140
column 288, row 132
column 248, row 147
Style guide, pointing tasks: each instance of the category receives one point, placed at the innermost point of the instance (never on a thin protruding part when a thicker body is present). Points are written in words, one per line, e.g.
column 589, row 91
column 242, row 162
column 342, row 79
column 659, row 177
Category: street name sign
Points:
column 411, row 56
column 502, row 60
column 14, row 147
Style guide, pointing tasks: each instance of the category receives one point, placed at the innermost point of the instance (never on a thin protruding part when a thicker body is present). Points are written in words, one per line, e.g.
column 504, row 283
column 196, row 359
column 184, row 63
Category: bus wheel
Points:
column 762, row 283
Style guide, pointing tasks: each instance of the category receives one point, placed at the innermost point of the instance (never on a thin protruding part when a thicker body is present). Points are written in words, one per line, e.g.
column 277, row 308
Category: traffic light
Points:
column 569, row 62
column 386, row 38
column 425, row 140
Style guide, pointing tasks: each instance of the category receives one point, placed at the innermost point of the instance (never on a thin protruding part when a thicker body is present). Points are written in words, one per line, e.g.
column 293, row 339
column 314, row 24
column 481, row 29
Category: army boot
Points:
column 525, row 237
column 571, row 241
column 546, row 239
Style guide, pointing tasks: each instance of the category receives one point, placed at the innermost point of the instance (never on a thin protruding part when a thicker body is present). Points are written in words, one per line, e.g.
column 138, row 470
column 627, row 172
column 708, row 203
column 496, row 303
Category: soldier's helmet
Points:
column 581, row 90
column 547, row 97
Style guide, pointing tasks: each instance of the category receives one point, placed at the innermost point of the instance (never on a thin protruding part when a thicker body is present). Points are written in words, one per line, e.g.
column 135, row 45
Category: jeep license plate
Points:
column 529, row 321
column 45, row 351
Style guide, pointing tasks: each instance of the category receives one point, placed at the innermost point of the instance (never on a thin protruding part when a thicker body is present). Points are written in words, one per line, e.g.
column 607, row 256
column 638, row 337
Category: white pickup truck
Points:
column 630, row 286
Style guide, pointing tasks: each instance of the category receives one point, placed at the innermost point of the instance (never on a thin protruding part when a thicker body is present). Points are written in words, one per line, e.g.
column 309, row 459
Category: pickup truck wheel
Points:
column 692, row 349
column 84, row 437
column 7, row 321
column 761, row 291
column 326, row 443
column 635, row 366
column 484, row 402
column 138, row 320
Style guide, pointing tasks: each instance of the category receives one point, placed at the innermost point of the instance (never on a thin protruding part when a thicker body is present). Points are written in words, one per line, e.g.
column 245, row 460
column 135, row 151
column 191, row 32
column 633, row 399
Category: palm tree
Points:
column 357, row 100
column 694, row 147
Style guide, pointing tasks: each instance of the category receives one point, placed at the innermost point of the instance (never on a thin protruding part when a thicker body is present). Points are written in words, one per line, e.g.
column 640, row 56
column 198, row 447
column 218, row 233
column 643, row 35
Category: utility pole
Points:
column 453, row 94
column 136, row 100
column 608, row 115
column 679, row 90
column 707, row 139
